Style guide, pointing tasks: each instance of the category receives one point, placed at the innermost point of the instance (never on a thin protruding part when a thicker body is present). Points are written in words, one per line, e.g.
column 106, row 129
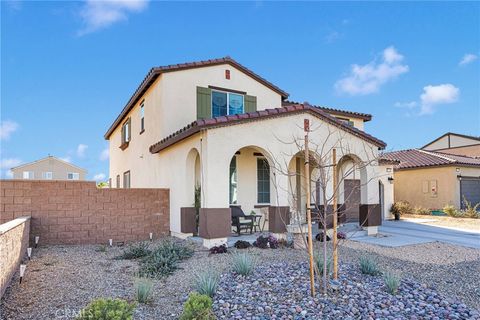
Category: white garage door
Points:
column 470, row 189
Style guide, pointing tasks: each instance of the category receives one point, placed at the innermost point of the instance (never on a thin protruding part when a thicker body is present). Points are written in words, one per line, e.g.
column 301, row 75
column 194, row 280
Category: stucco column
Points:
column 370, row 211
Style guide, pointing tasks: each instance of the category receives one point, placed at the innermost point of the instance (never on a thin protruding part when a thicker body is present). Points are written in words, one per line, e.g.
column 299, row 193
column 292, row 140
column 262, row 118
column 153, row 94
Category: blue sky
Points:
column 68, row 68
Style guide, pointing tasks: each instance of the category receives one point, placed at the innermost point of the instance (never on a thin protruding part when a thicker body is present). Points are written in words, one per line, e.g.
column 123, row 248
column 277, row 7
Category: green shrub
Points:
column 471, row 211
column 136, row 251
column 143, row 289
column 401, row 207
column 319, row 261
column 207, row 283
column 197, row 307
column 392, row 282
column 368, row 266
column 101, row 248
column 107, row 309
column 452, row 211
column 164, row 260
column 421, row 211
column 243, row 263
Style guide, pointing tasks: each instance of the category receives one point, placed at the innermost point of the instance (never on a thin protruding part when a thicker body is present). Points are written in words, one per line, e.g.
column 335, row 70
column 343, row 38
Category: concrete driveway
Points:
column 401, row 233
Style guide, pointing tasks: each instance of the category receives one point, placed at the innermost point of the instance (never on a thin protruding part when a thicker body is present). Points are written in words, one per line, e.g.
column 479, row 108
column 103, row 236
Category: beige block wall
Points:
column 14, row 238
column 59, row 169
column 471, row 151
column 409, row 186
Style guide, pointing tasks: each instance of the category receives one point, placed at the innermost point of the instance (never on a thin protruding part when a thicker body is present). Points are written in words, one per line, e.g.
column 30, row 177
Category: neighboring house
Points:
column 455, row 143
column 432, row 179
column 219, row 126
column 49, row 168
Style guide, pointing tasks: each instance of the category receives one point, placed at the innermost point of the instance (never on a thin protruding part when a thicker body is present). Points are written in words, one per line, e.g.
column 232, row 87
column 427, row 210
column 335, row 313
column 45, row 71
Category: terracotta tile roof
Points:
column 346, row 113
column 153, row 74
column 203, row 124
column 415, row 158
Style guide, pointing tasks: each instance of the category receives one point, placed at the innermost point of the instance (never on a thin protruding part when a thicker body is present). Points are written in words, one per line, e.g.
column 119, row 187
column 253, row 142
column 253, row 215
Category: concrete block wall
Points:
column 14, row 237
column 77, row 212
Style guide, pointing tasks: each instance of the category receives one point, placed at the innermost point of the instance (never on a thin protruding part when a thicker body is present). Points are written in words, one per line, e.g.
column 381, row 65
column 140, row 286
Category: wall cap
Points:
column 7, row 226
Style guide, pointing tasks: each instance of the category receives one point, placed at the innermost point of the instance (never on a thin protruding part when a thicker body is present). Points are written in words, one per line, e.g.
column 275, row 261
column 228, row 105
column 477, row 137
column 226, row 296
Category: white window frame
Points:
column 142, row 116
column 48, row 175
column 228, row 100
column 75, row 176
column 28, row 175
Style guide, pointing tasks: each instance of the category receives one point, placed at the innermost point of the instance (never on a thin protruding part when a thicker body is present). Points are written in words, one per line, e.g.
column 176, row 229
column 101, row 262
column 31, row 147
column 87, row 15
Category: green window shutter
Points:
column 250, row 103
column 204, row 103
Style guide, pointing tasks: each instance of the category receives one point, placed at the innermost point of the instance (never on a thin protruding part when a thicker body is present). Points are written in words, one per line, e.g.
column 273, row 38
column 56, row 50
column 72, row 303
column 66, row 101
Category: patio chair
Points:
column 240, row 220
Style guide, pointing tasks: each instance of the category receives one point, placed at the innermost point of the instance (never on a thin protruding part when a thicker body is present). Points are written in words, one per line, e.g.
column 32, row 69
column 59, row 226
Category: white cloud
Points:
column 468, row 58
column 9, row 174
column 367, row 79
column 435, row 95
column 105, row 154
column 81, row 149
column 332, row 36
column 7, row 128
column 8, row 163
column 97, row 15
column 99, row 177
column 408, row 105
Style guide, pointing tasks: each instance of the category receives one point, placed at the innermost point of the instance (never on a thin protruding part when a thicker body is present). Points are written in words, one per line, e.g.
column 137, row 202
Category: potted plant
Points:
column 395, row 211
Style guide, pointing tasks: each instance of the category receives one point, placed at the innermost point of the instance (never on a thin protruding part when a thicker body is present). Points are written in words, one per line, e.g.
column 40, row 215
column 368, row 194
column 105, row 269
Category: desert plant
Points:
column 319, row 262
column 264, row 242
column 341, row 235
column 101, row 248
column 107, row 309
column 143, row 289
column 136, row 251
column 197, row 307
column 368, row 266
column 164, row 259
column 470, row 211
column 218, row 249
column 243, row 263
column 401, row 207
column 392, row 282
column 421, row 211
column 241, row 244
column 207, row 283
column 451, row 211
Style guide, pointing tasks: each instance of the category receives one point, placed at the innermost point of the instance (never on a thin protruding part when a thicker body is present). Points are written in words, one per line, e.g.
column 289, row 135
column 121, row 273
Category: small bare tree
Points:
column 324, row 169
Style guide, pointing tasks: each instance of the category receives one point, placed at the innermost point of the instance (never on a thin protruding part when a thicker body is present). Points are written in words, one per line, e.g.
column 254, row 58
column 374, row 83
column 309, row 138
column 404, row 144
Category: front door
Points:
column 352, row 199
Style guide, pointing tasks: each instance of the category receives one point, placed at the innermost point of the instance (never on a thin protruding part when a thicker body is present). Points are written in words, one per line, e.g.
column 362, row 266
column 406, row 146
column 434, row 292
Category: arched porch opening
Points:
column 297, row 185
column 352, row 186
column 193, row 177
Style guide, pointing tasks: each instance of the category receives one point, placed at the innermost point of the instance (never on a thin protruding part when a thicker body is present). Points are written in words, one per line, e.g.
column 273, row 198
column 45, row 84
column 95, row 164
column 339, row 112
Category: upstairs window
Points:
column 73, row 176
column 125, row 134
column 226, row 103
column 48, row 175
column 346, row 121
column 28, row 175
column 142, row 118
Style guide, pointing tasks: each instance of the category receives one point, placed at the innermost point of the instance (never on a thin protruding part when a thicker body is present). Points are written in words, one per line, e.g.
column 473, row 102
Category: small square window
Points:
column 28, row 175
column 47, row 175
column 73, row 176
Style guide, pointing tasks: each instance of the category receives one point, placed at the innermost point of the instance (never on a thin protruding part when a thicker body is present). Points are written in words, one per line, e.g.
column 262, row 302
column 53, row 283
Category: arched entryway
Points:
column 352, row 184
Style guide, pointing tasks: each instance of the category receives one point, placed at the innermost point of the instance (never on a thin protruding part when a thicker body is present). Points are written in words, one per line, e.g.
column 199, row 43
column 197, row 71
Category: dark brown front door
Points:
column 352, row 199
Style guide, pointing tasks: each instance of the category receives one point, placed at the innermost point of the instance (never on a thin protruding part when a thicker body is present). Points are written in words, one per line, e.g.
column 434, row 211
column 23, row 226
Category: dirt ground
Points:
column 446, row 221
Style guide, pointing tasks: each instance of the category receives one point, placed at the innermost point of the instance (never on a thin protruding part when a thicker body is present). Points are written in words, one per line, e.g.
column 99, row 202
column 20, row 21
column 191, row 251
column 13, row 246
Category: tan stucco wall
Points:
column 59, row 169
column 455, row 141
column 409, row 186
column 471, row 151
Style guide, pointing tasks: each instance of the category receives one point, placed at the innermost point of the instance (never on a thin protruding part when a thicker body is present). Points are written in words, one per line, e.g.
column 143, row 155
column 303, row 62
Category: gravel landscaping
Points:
column 61, row 280
column 281, row 291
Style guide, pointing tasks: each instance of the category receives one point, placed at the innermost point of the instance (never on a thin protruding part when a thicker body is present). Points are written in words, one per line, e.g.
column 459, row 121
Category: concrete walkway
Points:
column 402, row 233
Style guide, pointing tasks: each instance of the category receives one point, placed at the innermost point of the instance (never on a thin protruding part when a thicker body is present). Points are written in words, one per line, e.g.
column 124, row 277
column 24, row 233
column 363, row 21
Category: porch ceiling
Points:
column 204, row 124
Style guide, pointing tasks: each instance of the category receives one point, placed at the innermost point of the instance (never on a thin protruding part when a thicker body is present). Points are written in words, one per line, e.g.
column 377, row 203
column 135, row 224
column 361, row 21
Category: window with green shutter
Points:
column 204, row 103
column 250, row 103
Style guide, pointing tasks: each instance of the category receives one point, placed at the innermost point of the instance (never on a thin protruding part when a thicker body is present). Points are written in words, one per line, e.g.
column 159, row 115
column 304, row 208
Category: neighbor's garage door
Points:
column 470, row 189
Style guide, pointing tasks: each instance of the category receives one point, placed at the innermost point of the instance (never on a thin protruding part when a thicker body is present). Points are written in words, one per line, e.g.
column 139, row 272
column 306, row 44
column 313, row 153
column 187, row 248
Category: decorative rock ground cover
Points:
column 281, row 291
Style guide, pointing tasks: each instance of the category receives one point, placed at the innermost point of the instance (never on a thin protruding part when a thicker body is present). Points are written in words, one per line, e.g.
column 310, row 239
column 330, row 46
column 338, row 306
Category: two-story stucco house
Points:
column 219, row 126
column 49, row 168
